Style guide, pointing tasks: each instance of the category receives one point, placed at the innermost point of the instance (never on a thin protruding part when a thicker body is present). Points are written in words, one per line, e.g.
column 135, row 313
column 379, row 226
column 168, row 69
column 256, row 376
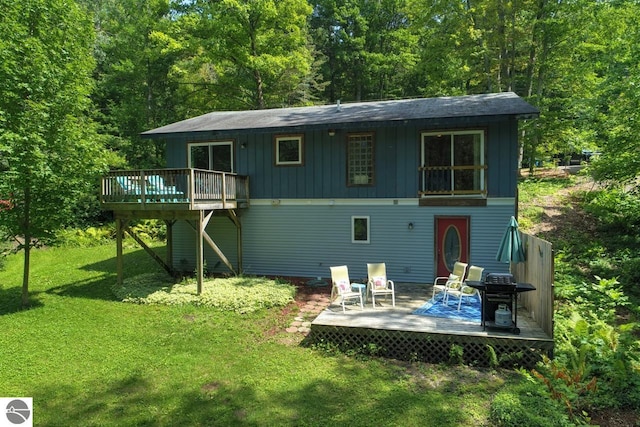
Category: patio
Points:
column 399, row 333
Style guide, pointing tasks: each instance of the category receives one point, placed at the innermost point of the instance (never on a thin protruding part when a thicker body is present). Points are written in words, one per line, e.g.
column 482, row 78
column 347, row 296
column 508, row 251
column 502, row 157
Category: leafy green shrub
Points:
column 150, row 229
column 238, row 294
column 616, row 210
column 456, row 354
column 601, row 299
column 79, row 238
column 596, row 364
column 527, row 404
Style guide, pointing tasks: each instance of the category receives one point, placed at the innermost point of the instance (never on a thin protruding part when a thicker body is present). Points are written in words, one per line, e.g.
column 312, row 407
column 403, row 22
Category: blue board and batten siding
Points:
column 323, row 174
column 299, row 221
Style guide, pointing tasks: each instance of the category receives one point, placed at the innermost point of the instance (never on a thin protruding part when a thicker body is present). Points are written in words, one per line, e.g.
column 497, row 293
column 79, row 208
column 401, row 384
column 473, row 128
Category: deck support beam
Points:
column 202, row 235
column 199, row 252
column 149, row 251
column 233, row 216
column 120, row 224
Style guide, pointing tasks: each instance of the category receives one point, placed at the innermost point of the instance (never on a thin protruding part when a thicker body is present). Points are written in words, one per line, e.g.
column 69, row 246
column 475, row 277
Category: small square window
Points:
column 288, row 150
column 360, row 229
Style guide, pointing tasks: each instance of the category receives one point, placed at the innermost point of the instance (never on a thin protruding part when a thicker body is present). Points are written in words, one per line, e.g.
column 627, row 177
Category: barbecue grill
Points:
column 499, row 293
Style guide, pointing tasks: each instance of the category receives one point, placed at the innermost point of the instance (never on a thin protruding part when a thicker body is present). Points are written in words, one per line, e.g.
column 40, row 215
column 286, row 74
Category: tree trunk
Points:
column 27, row 247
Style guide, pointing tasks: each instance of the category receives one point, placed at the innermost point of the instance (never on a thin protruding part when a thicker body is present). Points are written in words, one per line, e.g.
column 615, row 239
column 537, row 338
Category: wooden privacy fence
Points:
column 538, row 269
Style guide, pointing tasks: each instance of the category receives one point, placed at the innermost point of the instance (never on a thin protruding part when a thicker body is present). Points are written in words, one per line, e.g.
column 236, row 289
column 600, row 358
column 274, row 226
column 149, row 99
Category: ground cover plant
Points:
column 89, row 359
column 596, row 369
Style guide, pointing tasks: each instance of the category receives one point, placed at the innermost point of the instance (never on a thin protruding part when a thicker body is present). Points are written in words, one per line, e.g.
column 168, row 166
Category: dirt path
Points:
column 561, row 213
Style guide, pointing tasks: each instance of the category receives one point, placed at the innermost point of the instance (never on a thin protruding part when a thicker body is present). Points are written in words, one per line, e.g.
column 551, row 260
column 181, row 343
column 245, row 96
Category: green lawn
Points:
column 87, row 359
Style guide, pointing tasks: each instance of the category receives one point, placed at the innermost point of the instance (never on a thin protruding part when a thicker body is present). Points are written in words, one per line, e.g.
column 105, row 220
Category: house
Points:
column 416, row 183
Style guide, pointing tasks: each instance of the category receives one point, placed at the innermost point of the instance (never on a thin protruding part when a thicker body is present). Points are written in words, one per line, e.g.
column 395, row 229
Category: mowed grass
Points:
column 87, row 359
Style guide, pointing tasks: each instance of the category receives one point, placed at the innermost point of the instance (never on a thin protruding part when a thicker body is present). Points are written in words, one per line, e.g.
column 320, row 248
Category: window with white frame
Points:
column 360, row 229
column 288, row 150
column 215, row 156
column 360, row 159
column 453, row 163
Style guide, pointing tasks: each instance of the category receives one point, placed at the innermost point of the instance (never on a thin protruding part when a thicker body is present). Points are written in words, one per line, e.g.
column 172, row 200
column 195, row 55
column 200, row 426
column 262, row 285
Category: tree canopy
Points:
column 160, row 61
column 49, row 150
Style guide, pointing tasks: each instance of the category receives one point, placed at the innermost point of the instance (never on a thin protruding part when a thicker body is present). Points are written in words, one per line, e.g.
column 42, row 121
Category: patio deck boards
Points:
column 404, row 333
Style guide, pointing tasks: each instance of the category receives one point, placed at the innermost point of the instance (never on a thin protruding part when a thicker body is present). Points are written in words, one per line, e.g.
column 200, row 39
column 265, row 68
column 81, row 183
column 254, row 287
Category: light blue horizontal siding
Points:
column 299, row 240
column 223, row 233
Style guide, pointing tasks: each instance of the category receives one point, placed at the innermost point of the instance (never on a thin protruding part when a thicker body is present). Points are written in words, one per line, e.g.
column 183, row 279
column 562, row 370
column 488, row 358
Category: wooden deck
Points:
column 402, row 334
column 161, row 190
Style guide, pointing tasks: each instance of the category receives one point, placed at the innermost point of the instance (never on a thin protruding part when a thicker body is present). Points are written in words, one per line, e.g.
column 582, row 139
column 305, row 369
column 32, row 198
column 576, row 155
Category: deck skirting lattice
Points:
column 432, row 347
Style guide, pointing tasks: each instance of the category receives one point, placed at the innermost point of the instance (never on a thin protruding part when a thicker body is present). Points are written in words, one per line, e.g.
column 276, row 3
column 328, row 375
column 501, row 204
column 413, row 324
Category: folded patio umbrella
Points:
column 511, row 249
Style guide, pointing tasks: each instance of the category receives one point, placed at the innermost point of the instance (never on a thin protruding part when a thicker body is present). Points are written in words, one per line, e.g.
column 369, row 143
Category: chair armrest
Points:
column 442, row 278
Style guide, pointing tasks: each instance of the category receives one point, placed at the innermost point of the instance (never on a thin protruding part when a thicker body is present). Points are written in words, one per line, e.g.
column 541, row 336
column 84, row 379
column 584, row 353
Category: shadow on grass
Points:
column 11, row 300
column 134, row 400
column 135, row 263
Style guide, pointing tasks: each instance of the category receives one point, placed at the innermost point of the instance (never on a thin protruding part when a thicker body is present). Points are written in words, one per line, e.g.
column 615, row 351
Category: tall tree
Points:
column 249, row 54
column 47, row 143
column 369, row 48
column 618, row 103
column 135, row 91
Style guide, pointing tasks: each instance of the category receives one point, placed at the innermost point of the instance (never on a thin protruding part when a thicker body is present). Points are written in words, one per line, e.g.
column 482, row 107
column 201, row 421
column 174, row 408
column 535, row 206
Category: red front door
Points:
column 452, row 243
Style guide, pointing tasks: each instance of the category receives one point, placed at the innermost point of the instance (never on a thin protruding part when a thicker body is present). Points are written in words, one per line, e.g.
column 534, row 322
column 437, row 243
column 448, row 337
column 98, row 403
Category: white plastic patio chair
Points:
column 341, row 286
column 379, row 284
column 465, row 291
column 441, row 283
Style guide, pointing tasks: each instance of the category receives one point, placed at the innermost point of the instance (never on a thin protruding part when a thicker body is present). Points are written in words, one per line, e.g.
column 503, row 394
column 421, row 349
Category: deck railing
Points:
column 183, row 186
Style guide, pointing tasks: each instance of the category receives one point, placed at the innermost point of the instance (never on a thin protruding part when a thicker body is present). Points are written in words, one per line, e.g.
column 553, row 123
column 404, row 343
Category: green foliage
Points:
column 602, row 299
column 527, row 404
column 456, row 354
column 238, row 294
column 532, row 189
column 51, row 156
column 618, row 211
column 92, row 236
column 596, row 364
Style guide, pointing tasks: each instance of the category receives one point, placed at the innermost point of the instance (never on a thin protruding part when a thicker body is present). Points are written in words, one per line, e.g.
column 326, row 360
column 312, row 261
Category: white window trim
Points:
column 277, row 150
column 480, row 132
column 353, row 229
column 210, row 143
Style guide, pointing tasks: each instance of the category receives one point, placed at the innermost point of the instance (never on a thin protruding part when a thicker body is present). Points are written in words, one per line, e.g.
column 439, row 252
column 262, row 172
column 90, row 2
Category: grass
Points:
column 531, row 191
column 88, row 359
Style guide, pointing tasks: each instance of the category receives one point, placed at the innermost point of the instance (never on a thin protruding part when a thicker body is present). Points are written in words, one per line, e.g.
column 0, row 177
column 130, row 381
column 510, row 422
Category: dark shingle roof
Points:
column 495, row 104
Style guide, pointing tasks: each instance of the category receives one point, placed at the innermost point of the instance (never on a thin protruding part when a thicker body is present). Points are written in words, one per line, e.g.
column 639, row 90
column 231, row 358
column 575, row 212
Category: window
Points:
column 359, row 229
column 453, row 163
column 288, row 150
column 360, row 159
column 215, row 156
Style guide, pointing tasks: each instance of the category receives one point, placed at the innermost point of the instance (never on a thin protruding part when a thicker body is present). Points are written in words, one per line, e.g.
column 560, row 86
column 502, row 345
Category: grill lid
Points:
column 500, row 279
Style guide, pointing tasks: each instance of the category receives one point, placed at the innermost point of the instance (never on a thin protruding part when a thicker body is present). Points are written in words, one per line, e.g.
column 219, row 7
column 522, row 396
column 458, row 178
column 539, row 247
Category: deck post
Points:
column 199, row 252
column 119, row 257
column 169, row 224
column 234, row 218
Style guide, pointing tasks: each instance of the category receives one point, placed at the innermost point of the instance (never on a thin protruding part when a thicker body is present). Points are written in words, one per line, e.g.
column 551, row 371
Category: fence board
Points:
column 538, row 269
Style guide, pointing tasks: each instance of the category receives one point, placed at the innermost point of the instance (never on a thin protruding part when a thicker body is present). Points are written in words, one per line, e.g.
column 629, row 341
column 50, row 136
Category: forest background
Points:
column 80, row 79
column 147, row 63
